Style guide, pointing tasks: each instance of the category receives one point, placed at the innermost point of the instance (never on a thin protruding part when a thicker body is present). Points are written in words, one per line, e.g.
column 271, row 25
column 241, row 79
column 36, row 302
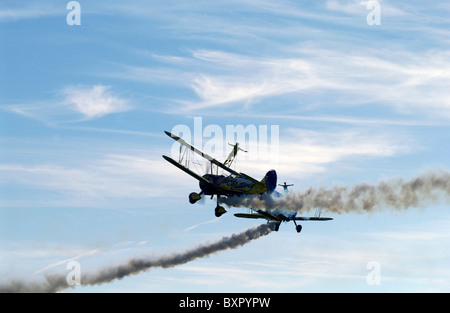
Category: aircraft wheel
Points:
column 194, row 197
column 219, row 211
column 277, row 227
column 299, row 228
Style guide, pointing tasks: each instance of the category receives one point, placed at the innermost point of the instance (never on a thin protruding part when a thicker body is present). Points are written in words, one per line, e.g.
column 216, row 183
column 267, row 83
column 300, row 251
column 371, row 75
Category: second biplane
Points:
column 234, row 184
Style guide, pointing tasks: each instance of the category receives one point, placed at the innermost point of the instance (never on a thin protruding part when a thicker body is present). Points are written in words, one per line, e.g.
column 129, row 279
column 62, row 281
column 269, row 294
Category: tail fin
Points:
column 270, row 180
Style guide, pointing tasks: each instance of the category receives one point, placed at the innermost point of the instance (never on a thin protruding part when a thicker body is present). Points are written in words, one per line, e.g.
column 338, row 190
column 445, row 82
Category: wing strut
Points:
column 201, row 153
column 186, row 170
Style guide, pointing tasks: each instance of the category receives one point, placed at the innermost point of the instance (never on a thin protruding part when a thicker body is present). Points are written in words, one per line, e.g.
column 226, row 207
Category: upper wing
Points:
column 201, row 153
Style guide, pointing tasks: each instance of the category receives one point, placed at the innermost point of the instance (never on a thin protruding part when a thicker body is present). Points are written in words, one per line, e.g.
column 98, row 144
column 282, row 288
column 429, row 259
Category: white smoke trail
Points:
column 54, row 283
column 396, row 194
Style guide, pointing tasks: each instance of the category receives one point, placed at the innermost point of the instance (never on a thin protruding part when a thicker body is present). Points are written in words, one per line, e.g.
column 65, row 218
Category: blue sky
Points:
column 83, row 111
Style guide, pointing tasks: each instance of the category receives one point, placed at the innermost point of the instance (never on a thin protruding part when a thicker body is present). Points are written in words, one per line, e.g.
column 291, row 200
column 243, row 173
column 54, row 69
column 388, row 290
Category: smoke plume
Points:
column 54, row 283
column 397, row 194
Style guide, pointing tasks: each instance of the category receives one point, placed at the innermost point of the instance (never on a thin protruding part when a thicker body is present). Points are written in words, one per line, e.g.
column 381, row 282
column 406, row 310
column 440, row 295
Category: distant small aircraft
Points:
column 234, row 184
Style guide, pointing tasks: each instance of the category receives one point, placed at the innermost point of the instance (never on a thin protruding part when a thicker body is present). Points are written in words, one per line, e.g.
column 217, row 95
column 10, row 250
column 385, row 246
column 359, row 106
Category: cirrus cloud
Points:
column 94, row 102
column 91, row 102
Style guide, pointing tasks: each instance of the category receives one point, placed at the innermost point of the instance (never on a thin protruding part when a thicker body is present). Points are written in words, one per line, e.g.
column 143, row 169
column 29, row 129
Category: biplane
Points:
column 234, row 184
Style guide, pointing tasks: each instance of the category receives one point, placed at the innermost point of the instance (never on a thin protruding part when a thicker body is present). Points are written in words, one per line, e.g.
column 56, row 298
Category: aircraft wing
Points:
column 312, row 218
column 260, row 214
column 270, row 217
column 201, row 153
column 252, row 215
column 188, row 171
column 211, row 159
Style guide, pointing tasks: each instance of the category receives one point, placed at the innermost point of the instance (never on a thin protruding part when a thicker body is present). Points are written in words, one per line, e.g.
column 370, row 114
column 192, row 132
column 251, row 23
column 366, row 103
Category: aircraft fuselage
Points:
column 228, row 185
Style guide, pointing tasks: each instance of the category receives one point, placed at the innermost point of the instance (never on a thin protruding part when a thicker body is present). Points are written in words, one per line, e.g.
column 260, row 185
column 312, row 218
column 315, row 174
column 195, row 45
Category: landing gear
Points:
column 194, row 197
column 276, row 227
column 297, row 227
column 219, row 211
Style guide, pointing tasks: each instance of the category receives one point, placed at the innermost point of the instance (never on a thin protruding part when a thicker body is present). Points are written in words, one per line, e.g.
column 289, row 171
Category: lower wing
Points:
column 271, row 217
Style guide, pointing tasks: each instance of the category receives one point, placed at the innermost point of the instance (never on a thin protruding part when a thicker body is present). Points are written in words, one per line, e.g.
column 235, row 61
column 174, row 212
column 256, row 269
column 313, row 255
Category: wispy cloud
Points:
column 73, row 104
column 77, row 257
column 301, row 152
column 94, row 102
column 402, row 81
column 14, row 13
column 407, row 83
column 214, row 220
column 99, row 180
column 359, row 7
column 353, row 69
